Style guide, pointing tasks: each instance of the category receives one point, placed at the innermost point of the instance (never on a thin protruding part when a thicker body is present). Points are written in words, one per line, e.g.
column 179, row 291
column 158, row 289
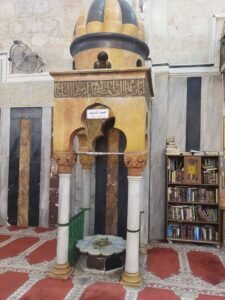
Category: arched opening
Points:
column 111, row 190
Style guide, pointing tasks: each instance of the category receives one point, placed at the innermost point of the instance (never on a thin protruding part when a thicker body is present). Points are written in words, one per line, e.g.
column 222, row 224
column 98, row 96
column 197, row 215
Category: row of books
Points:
column 176, row 176
column 210, row 177
column 209, row 163
column 192, row 194
column 192, row 232
column 176, row 164
column 192, row 213
column 201, row 153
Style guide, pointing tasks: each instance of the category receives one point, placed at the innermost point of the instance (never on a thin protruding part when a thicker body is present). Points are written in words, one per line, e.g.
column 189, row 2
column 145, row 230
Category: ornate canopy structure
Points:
column 110, row 88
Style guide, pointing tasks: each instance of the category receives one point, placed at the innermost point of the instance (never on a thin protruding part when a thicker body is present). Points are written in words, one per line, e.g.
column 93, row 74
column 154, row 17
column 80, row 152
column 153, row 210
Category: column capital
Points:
column 135, row 163
column 65, row 161
column 86, row 161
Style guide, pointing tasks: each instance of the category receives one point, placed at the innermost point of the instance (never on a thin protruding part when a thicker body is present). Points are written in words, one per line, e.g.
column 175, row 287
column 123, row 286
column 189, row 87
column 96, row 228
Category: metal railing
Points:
column 76, row 233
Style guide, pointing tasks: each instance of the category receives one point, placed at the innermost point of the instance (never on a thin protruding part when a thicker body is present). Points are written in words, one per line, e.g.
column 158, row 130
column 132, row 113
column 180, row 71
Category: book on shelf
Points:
column 185, row 153
column 170, row 140
column 197, row 152
column 192, row 232
column 193, row 185
column 192, row 213
column 192, row 194
column 213, row 153
column 172, row 151
column 171, row 147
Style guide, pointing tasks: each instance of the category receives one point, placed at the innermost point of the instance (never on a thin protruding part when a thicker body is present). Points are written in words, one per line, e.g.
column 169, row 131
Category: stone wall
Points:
column 177, row 31
column 44, row 25
column 183, row 31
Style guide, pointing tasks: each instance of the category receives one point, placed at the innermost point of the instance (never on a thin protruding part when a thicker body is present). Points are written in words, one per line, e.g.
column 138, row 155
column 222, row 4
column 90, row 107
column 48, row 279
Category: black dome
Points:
column 96, row 12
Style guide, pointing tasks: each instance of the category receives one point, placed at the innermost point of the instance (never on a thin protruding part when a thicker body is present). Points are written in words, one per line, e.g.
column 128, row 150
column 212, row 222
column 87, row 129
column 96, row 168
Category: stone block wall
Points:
column 44, row 25
column 177, row 31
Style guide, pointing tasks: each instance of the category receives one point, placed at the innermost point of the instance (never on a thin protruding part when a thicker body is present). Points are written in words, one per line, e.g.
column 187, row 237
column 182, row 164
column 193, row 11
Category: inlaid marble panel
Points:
column 212, row 113
column 111, row 216
column 24, row 173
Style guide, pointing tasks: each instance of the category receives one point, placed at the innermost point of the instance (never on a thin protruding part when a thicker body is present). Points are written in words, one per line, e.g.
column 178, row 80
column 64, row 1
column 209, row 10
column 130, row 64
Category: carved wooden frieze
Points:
column 135, row 163
column 64, row 161
column 100, row 88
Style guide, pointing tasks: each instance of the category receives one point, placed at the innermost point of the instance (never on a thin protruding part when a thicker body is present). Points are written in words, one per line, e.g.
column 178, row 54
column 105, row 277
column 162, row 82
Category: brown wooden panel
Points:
column 24, row 173
column 112, row 183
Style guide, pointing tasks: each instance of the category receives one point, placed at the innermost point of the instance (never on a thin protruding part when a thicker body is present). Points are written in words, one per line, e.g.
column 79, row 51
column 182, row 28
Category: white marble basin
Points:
column 105, row 245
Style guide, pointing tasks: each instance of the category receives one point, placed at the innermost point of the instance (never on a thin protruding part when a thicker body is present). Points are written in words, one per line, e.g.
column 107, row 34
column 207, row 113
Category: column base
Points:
column 131, row 279
column 61, row 271
column 143, row 249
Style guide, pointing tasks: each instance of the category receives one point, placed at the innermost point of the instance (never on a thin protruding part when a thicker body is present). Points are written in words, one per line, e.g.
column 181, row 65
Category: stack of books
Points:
column 171, row 147
column 197, row 152
column 210, row 171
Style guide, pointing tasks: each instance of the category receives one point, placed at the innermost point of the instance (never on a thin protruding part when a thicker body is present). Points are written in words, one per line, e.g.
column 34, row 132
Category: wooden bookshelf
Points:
column 192, row 199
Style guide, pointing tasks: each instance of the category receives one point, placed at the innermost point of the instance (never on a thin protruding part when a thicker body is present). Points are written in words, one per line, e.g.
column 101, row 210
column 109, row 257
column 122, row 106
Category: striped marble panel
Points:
column 19, row 176
column 100, row 186
column 212, row 113
column 122, row 190
column 111, row 215
column 111, row 186
column 193, row 119
column 13, row 182
column 24, row 173
column 157, row 158
column 35, row 166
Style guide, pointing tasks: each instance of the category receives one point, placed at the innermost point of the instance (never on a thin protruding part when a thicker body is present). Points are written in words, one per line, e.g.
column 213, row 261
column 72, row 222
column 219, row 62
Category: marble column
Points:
column 131, row 275
column 87, row 163
column 143, row 221
column 4, row 166
column 45, row 165
column 62, row 268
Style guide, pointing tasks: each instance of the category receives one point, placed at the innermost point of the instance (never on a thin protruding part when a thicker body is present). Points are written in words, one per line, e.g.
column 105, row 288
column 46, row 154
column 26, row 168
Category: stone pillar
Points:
column 62, row 269
column 4, row 166
column 143, row 246
column 131, row 275
column 45, row 163
column 87, row 162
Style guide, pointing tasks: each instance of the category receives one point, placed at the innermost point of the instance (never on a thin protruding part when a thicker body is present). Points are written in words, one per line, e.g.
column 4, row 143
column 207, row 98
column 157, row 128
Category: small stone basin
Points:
column 104, row 253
